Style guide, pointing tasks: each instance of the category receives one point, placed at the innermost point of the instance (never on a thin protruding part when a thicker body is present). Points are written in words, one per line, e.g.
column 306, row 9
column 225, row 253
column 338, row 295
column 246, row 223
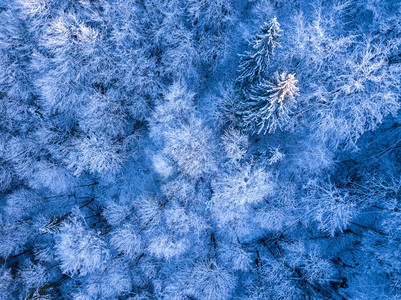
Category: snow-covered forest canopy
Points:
column 200, row 149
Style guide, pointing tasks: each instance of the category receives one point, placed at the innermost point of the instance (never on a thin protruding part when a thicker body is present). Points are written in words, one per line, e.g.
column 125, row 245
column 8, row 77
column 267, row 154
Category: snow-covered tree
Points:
column 235, row 194
column 333, row 209
column 5, row 283
column 126, row 241
column 268, row 105
column 95, row 154
column 80, row 250
column 179, row 150
column 254, row 63
column 191, row 149
column 235, row 144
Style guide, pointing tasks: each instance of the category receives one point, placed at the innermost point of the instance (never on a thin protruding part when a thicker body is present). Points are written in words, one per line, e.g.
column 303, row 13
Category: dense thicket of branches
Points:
column 202, row 149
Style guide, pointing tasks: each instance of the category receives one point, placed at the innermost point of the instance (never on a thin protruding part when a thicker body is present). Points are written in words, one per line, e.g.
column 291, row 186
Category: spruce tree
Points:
column 254, row 62
column 268, row 104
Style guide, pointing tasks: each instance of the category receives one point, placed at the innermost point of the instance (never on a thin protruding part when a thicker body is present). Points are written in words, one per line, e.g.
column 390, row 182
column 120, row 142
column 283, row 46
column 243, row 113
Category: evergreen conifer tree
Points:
column 268, row 104
column 255, row 62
